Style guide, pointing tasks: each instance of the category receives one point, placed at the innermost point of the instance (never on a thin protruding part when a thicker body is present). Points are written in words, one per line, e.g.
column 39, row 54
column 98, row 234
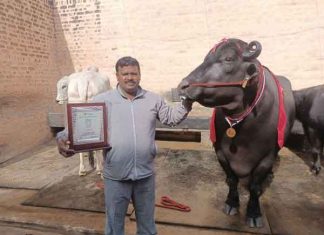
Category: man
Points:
column 128, row 168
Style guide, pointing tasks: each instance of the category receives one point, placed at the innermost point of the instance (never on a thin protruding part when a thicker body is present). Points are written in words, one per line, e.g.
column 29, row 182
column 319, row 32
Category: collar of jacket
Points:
column 139, row 93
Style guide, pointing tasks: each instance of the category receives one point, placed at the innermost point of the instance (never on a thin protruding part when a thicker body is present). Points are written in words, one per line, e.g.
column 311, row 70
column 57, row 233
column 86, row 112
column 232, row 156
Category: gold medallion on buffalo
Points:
column 230, row 132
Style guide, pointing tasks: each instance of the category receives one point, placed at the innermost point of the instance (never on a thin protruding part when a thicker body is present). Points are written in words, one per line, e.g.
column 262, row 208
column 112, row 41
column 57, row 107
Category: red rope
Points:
column 261, row 81
column 100, row 184
column 168, row 203
column 218, row 84
column 165, row 201
column 224, row 40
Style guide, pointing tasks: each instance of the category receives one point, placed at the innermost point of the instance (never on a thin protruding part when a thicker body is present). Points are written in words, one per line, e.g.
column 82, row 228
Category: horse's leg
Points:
column 316, row 144
column 82, row 170
column 232, row 202
column 260, row 173
column 98, row 157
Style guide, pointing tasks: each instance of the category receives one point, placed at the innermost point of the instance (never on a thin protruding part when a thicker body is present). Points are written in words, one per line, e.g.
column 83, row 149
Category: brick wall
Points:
column 28, row 73
column 42, row 40
column 170, row 38
column 77, row 24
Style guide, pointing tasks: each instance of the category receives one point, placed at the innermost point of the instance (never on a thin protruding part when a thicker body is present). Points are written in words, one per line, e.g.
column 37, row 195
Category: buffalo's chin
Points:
column 207, row 103
column 198, row 98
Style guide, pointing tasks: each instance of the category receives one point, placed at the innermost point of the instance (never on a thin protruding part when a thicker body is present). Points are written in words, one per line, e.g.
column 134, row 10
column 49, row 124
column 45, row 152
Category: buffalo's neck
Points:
column 233, row 109
column 241, row 102
column 300, row 104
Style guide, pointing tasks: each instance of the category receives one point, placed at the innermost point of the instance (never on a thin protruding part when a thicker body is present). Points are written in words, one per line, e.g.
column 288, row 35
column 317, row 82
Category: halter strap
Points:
column 261, row 84
column 219, row 84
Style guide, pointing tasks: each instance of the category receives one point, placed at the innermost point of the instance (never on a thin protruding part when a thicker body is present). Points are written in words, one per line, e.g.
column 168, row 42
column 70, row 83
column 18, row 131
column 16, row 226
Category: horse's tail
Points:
column 91, row 159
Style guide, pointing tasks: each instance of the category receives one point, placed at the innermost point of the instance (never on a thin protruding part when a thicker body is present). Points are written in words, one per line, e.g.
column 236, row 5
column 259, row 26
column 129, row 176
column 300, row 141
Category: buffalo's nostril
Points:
column 183, row 85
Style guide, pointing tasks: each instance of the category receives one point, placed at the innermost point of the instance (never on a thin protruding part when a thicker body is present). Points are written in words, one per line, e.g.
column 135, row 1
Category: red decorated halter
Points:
column 241, row 83
column 223, row 41
column 261, row 83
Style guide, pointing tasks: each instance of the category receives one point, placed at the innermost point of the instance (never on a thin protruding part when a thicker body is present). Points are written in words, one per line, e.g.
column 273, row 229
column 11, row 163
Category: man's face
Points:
column 129, row 78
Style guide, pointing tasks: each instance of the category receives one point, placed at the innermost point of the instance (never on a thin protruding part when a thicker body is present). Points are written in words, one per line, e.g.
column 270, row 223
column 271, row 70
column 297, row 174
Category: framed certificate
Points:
column 87, row 125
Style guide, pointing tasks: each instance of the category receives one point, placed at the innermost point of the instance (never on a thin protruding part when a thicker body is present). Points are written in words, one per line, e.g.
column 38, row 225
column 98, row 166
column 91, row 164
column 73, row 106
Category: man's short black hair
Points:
column 127, row 61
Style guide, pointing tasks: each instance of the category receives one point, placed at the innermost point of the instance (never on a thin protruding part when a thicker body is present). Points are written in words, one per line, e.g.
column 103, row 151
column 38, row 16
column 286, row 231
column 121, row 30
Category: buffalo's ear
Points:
column 251, row 70
column 252, row 51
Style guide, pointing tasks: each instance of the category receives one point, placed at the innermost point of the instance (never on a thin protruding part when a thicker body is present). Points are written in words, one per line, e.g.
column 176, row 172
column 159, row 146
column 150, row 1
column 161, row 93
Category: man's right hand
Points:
column 63, row 147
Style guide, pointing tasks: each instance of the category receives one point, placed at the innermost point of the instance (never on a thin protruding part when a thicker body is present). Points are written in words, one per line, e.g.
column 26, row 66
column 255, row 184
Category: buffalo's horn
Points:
column 252, row 51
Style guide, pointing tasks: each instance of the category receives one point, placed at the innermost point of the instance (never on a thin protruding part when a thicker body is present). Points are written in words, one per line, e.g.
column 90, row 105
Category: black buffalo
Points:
column 246, row 95
column 310, row 112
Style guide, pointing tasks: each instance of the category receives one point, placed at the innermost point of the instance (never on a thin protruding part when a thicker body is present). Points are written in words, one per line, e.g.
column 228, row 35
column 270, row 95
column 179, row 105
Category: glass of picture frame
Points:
column 87, row 126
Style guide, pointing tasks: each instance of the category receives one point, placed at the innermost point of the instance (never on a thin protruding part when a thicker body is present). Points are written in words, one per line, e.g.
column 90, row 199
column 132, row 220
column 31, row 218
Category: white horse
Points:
column 81, row 87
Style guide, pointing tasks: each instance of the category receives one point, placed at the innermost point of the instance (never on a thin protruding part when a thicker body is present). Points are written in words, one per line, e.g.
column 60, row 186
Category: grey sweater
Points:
column 131, row 131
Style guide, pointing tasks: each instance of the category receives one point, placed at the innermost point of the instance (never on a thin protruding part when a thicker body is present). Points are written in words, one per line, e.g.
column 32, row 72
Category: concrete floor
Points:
column 16, row 219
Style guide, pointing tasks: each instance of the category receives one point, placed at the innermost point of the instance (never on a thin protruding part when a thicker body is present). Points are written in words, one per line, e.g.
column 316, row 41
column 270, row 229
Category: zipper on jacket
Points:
column 134, row 133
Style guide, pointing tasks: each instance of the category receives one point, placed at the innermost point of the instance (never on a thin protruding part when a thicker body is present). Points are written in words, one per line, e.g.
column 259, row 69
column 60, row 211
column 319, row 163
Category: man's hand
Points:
column 63, row 147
